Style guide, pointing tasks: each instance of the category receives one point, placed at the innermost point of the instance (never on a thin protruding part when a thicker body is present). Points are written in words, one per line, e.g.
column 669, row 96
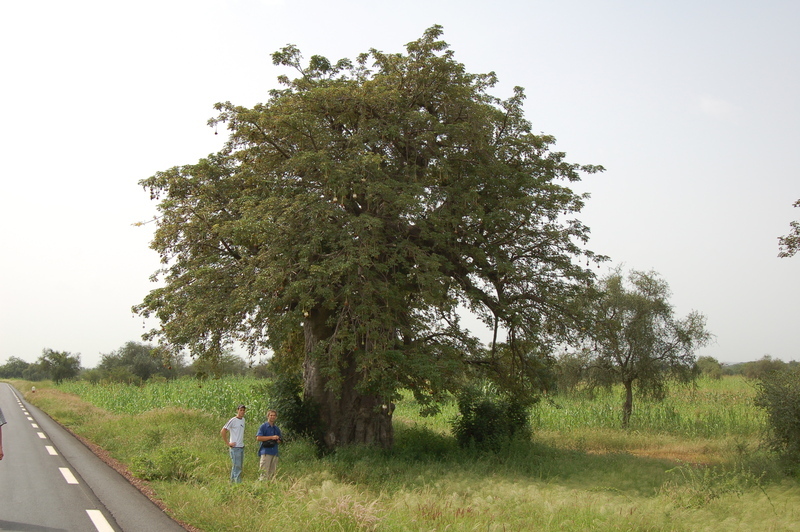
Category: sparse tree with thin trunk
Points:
column 636, row 338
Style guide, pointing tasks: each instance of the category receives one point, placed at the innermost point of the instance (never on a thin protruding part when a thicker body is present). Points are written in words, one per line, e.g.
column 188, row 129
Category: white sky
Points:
column 692, row 107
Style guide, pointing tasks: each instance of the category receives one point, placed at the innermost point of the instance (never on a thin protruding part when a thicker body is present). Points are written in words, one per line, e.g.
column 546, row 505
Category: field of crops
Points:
column 707, row 409
column 216, row 396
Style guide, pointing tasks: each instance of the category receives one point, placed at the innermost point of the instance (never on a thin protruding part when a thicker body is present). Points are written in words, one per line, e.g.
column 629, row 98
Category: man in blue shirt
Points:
column 270, row 436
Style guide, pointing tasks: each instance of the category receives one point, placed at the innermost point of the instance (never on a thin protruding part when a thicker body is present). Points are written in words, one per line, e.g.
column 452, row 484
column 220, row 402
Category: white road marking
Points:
column 30, row 418
column 68, row 476
column 41, row 435
column 99, row 521
column 34, row 425
column 51, row 450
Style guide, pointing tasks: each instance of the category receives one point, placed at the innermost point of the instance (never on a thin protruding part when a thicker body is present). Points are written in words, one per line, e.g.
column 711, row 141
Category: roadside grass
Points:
column 574, row 474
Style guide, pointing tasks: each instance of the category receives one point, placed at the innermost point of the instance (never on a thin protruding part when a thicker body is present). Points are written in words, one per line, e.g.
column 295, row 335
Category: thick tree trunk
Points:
column 627, row 408
column 347, row 416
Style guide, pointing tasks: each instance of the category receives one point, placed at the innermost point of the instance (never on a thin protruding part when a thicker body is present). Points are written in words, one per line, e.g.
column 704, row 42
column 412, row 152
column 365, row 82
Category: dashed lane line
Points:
column 68, row 476
column 99, row 521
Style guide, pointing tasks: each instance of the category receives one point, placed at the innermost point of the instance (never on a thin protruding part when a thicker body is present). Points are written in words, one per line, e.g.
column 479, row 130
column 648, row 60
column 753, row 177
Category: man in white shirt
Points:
column 235, row 427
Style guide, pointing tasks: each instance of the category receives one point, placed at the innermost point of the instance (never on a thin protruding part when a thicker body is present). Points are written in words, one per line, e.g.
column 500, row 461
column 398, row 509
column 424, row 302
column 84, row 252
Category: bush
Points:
column 174, row 463
column 296, row 416
column 710, row 367
column 779, row 394
column 486, row 417
column 696, row 487
column 763, row 367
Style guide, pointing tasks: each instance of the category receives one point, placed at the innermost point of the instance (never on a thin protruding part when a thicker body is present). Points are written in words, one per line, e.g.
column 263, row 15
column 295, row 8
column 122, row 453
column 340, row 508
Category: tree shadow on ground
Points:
column 421, row 456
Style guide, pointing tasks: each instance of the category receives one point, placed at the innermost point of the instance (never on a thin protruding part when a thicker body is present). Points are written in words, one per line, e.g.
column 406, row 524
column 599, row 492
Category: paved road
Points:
column 50, row 481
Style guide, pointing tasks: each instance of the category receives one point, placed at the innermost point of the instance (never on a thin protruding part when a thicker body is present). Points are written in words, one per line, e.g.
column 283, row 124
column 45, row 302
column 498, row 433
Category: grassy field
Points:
column 692, row 462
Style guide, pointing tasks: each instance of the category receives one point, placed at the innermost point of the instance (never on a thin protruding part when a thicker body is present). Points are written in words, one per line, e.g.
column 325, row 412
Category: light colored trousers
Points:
column 268, row 465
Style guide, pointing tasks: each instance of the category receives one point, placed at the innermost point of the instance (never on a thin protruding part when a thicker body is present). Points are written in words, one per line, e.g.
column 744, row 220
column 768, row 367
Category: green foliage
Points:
column 758, row 369
column 59, row 365
column 368, row 202
column 488, row 419
column 135, row 362
column 779, row 395
column 697, row 486
column 421, row 444
column 573, row 479
column 710, row 367
column 790, row 244
column 173, row 463
column 637, row 341
column 226, row 363
column 14, row 368
column 297, row 417
column 35, row 372
column 713, row 408
column 216, row 396
column 571, row 371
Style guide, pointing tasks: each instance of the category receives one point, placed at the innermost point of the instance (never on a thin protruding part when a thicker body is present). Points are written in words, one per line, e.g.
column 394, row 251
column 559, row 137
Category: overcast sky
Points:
column 691, row 106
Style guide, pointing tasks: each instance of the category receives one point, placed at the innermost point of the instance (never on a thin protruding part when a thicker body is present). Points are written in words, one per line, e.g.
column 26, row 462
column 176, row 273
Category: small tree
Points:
column 779, row 394
column 60, row 365
column 636, row 338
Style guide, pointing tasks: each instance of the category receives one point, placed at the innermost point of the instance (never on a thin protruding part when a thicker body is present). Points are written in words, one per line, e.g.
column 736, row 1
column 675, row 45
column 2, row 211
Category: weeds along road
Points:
column 50, row 481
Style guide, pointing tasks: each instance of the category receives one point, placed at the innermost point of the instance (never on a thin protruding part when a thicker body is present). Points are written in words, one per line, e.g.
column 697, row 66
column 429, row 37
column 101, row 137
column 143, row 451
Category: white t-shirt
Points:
column 2, row 419
column 236, row 427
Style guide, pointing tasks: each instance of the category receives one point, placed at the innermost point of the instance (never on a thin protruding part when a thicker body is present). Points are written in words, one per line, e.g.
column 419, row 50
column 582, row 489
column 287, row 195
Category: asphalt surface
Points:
column 50, row 481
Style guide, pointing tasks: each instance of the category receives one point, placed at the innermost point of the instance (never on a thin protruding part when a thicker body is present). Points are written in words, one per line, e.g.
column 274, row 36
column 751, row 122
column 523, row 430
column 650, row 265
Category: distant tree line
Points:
column 51, row 365
column 757, row 369
column 133, row 363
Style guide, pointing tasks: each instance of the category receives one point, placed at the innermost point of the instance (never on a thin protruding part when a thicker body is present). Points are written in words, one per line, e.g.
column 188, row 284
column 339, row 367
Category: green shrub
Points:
column 297, row 418
column 779, row 395
column 486, row 417
column 172, row 463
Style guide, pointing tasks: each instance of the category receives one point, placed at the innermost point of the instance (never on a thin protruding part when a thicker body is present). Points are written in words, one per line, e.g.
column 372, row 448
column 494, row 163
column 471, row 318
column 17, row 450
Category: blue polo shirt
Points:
column 269, row 430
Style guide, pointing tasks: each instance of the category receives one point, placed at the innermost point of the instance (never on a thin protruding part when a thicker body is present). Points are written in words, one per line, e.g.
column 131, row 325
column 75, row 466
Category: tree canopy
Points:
column 354, row 216
column 59, row 365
